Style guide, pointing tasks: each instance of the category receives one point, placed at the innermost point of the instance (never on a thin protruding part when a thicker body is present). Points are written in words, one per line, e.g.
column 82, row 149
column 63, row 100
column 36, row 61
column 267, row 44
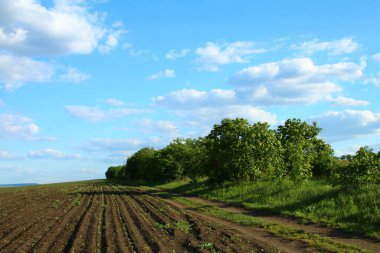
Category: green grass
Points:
column 321, row 243
column 352, row 210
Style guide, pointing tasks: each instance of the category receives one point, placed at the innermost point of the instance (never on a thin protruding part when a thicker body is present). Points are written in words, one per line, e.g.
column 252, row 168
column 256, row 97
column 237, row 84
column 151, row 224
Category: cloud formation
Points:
column 94, row 114
column 211, row 56
column 5, row 155
column 28, row 29
column 31, row 29
column 162, row 126
column 16, row 71
column 173, row 54
column 14, row 126
column 337, row 47
column 345, row 101
column 50, row 153
column 293, row 81
column 202, row 109
column 348, row 124
column 376, row 57
column 109, row 144
column 167, row 73
column 114, row 102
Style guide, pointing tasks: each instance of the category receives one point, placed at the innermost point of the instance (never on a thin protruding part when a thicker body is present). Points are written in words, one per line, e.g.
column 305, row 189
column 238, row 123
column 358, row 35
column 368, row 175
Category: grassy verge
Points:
column 352, row 210
column 321, row 243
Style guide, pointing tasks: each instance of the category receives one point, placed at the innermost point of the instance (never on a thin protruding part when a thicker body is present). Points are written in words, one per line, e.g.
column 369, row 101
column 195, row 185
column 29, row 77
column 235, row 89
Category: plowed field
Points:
column 98, row 217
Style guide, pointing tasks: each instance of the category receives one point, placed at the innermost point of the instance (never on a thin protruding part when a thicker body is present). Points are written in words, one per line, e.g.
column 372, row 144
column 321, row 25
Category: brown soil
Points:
column 105, row 218
column 97, row 217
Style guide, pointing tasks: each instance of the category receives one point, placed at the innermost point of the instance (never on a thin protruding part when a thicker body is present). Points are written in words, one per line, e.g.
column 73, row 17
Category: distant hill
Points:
column 17, row 185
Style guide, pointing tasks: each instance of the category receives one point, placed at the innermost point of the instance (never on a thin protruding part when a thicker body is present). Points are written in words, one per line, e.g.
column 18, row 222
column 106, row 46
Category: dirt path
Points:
column 336, row 235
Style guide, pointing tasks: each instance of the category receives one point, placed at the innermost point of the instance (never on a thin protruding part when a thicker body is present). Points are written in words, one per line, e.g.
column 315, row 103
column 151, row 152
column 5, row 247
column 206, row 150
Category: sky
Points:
column 84, row 84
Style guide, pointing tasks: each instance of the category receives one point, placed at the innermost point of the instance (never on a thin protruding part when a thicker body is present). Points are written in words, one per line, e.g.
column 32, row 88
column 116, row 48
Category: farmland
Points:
column 103, row 216
column 98, row 217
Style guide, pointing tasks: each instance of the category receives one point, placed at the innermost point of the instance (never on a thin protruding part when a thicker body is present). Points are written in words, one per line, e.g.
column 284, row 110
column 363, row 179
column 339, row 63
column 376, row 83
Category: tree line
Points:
column 236, row 151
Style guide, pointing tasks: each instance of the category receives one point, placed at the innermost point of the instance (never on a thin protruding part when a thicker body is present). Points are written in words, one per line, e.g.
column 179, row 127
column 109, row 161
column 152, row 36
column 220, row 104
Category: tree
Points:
column 323, row 163
column 113, row 172
column 364, row 168
column 303, row 152
column 142, row 165
column 240, row 151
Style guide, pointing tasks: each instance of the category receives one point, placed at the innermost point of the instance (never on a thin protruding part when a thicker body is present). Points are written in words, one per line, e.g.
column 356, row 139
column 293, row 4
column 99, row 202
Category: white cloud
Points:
column 94, row 114
column 159, row 126
column 194, row 98
column 173, row 54
column 108, row 144
column 74, row 76
column 114, row 102
column 112, row 41
column 375, row 80
column 137, row 52
column 345, row 101
column 167, row 73
column 293, row 81
column 337, row 47
column 376, row 57
column 28, row 28
column 213, row 55
column 208, row 115
column 348, row 124
column 5, row 155
column 15, row 71
column 52, row 154
column 202, row 109
column 13, row 126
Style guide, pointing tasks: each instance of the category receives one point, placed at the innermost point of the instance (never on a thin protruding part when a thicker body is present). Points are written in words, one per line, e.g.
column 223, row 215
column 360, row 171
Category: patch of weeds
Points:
column 167, row 228
column 183, row 226
column 56, row 204
column 206, row 246
column 76, row 201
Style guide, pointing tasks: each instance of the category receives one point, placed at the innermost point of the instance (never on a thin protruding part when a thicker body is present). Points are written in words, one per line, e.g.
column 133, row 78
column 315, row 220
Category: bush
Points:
column 364, row 168
column 304, row 154
column 243, row 152
column 113, row 172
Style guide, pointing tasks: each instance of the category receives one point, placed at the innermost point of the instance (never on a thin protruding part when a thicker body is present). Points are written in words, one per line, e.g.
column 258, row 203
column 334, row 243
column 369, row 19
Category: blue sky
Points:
column 84, row 84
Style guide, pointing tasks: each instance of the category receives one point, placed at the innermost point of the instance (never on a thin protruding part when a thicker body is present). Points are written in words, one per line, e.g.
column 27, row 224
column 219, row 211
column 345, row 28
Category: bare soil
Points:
column 96, row 217
column 100, row 217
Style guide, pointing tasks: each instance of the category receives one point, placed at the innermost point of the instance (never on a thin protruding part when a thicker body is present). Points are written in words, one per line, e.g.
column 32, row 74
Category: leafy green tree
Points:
column 113, row 172
column 323, row 163
column 143, row 165
column 243, row 152
column 303, row 152
column 197, row 158
column 364, row 168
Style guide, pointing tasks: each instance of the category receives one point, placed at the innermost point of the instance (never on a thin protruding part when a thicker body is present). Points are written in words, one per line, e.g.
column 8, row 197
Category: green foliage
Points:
column 184, row 226
column 113, row 172
column 355, row 210
column 56, row 204
column 243, row 152
column 303, row 152
column 143, row 165
column 206, row 246
column 237, row 151
column 364, row 168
